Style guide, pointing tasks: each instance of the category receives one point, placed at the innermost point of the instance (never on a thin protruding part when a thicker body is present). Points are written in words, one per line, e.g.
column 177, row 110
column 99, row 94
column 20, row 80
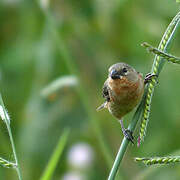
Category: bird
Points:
column 122, row 91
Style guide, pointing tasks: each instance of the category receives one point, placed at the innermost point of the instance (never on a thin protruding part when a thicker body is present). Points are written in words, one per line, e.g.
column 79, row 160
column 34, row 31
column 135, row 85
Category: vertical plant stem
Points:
column 125, row 142
column 11, row 140
column 14, row 152
column 156, row 68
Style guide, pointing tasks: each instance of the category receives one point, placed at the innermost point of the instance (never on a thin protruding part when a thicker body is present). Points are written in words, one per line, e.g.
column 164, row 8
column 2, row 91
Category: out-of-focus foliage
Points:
column 95, row 35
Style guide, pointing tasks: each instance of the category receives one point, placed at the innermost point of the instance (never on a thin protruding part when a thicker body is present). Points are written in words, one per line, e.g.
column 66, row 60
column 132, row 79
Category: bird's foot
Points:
column 128, row 135
column 149, row 77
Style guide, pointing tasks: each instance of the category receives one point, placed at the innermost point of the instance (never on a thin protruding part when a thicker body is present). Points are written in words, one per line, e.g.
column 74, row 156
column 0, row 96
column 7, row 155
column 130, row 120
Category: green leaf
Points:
column 49, row 170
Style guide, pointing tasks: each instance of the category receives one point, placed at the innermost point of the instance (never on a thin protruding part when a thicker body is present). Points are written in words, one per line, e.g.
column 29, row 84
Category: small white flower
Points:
column 2, row 114
column 80, row 155
column 73, row 176
column 44, row 4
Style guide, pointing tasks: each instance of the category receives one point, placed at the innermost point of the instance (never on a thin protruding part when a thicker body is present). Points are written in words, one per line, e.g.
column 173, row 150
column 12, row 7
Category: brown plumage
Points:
column 122, row 91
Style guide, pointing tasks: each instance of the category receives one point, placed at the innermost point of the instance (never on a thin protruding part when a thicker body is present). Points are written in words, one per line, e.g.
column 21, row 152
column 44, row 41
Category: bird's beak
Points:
column 114, row 75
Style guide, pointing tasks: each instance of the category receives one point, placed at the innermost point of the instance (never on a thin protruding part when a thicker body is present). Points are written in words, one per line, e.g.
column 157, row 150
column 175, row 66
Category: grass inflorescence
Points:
column 162, row 54
column 144, row 108
column 156, row 69
column 158, row 160
column 7, row 164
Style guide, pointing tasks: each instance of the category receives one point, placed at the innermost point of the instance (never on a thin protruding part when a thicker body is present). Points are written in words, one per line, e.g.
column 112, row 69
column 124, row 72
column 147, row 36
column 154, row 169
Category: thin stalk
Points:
column 49, row 170
column 11, row 140
column 156, row 68
column 125, row 142
column 14, row 152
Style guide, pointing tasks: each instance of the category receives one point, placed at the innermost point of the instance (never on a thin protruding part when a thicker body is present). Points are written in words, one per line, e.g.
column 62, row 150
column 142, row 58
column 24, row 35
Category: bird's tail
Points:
column 102, row 106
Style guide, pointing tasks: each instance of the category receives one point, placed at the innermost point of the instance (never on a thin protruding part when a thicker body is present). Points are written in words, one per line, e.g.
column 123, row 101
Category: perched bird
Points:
column 122, row 91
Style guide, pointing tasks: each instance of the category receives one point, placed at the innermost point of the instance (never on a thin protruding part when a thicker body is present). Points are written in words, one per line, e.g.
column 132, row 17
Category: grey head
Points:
column 120, row 70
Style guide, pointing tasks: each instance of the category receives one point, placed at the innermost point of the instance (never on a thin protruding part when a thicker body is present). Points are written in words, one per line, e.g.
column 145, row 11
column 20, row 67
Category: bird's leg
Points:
column 149, row 77
column 127, row 133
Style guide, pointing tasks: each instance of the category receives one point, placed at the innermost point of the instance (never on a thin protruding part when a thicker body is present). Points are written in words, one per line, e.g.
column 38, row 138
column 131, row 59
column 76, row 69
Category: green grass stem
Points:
column 7, row 122
column 156, row 68
column 49, row 170
column 125, row 142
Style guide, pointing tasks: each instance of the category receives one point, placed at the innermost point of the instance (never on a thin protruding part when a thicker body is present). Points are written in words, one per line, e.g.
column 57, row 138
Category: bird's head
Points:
column 122, row 70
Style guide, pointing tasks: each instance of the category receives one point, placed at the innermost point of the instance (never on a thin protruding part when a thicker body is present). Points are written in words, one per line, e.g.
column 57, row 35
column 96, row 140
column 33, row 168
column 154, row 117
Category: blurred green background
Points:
column 41, row 41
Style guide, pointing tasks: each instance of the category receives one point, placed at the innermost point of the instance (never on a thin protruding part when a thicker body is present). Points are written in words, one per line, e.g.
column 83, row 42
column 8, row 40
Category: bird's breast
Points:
column 124, row 95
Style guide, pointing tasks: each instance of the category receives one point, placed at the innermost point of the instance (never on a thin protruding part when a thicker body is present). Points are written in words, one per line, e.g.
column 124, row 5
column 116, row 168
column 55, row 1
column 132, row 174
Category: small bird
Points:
column 122, row 91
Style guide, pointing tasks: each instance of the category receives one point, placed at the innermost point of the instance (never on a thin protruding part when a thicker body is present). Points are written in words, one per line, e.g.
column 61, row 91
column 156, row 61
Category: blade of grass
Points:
column 50, row 168
column 7, row 122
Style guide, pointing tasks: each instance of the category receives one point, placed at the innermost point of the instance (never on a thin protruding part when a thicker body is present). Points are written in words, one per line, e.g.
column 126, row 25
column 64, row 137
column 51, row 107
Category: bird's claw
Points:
column 149, row 77
column 129, row 135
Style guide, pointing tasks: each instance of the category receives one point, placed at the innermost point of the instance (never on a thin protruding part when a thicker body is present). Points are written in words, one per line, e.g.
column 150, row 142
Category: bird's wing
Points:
column 105, row 94
column 105, row 91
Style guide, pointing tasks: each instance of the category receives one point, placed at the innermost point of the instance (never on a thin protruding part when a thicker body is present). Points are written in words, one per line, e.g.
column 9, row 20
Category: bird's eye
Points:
column 124, row 70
